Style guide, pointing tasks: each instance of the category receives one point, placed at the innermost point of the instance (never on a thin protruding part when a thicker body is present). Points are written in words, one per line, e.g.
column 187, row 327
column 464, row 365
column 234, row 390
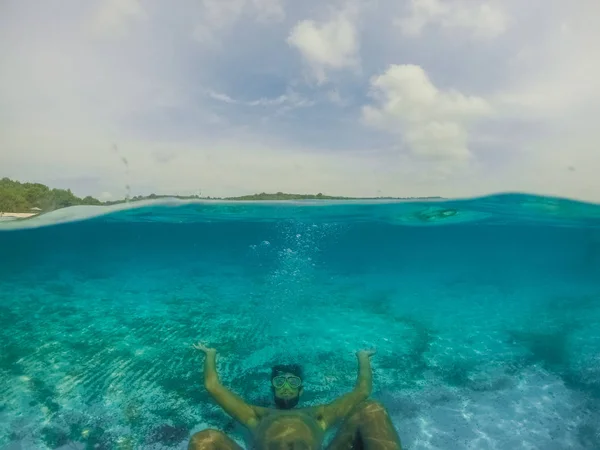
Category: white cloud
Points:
column 291, row 99
column 432, row 122
column 483, row 19
column 331, row 45
column 220, row 97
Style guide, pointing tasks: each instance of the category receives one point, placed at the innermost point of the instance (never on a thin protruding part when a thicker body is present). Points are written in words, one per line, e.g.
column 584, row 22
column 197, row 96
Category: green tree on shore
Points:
column 25, row 197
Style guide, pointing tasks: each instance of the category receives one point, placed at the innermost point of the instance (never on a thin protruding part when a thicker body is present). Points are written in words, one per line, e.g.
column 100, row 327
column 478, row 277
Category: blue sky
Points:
column 455, row 98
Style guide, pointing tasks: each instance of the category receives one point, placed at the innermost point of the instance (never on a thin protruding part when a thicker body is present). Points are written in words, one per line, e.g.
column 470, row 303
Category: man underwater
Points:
column 365, row 424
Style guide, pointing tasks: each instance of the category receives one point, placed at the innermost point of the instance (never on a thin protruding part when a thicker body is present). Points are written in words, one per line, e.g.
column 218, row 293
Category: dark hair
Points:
column 295, row 369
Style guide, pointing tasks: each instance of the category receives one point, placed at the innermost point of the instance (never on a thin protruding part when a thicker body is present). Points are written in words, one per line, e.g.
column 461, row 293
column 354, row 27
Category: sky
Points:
column 452, row 98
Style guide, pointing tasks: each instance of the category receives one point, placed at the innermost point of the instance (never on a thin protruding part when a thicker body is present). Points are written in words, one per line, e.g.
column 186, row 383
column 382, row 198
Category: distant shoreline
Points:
column 28, row 197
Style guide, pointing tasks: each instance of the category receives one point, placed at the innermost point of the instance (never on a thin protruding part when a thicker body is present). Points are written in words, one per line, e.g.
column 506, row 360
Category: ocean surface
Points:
column 485, row 314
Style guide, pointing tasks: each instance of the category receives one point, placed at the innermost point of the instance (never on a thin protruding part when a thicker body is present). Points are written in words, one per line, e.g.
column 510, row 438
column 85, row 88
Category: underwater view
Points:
column 483, row 312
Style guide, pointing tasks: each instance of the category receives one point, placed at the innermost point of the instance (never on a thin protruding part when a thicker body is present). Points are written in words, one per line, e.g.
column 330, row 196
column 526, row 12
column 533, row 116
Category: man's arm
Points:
column 230, row 402
column 340, row 408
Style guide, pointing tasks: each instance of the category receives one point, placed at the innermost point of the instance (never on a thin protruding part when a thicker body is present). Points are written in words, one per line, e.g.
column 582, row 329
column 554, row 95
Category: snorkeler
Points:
column 365, row 424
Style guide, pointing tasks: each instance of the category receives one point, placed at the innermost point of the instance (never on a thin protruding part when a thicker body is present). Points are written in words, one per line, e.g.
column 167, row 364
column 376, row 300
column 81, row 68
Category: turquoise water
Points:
column 484, row 313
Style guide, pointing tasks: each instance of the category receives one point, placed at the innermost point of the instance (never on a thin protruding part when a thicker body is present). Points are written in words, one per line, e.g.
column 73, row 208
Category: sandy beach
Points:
column 16, row 215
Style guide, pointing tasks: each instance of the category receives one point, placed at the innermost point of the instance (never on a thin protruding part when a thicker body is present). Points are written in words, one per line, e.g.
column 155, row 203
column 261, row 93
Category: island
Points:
column 27, row 199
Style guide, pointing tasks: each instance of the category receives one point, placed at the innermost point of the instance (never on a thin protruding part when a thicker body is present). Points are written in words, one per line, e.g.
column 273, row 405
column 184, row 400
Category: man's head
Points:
column 286, row 383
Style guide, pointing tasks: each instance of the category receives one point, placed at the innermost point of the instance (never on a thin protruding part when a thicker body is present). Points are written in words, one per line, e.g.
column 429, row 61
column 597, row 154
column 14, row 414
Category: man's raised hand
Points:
column 203, row 348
